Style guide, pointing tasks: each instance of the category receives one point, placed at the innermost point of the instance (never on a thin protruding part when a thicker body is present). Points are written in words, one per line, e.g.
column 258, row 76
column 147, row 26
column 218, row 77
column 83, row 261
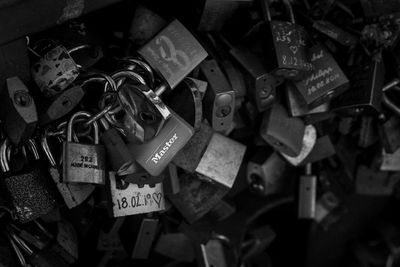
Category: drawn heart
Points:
column 157, row 198
column 293, row 49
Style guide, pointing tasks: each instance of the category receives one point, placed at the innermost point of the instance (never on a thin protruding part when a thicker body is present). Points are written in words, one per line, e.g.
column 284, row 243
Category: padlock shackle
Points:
column 17, row 251
column 120, row 76
column 267, row 13
column 100, row 77
column 143, row 65
column 5, row 153
column 46, row 148
column 79, row 48
column 84, row 114
column 33, row 148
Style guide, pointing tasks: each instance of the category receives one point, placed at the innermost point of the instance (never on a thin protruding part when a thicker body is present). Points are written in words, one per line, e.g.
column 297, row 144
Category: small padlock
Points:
column 219, row 100
column 18, row 111
column 307, row 194
column 73, row 194
column 334, row 32
column 367, row 79
column 66, row 243
column 155, row 155
column 56, row 69
column 174, row 52
column 143, row 231
column 266, row 172
column 326, row 81
column 29, row 204
column 83, row 163
column 289, row 42
column 129, row 199
column 197, row 196
column 283, row 133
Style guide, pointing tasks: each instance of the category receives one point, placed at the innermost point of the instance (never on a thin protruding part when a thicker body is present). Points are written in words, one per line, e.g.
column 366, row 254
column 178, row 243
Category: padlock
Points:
column 298, row 106
column 290, row 58
column 174, row 52
column 260, row 83
column 326, row 81
column 219, row 100
column 186, row 101
column 73, row 194
column 374, row 8
column 18, row 253
column 307, row 194
column 56, row 69
column 136, row 174
column 26, row 204
column 34, row 235
column 283, row 133
column 197, row 196
column 373, row 183
column 390, row 161
column 334, row 32
column 176, row 246
column 62, row 104
column 42, row 258
column 18, row 111
column 389, row 134
column 266, row 172
column 83, row 163
column 366, row 83
column 214, row 252
column 368, row 132
column 129, row 199
column 155, row 155
column 171, row 180
column 118, row 154
column 143, row 231
column 212, row 155
column 326, row 204
column 109, row 238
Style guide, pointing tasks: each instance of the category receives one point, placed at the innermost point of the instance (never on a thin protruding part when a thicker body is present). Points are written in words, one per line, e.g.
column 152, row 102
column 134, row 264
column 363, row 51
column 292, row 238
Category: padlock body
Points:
column 55, row 71
column 83, row 163
column 290, row 46
column 174, row 52
column 155, row 155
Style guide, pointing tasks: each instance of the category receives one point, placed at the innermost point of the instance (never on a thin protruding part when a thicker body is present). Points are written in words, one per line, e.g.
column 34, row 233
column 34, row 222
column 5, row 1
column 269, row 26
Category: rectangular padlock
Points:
column 260, row 83
column 326, row 81
column 174, row 52
column 367, row 79
column 219, row 100
column 129, row 199
column 307, row 194
column 197, row 196
column 283, row 133
column 334, row 32
column 155, row 155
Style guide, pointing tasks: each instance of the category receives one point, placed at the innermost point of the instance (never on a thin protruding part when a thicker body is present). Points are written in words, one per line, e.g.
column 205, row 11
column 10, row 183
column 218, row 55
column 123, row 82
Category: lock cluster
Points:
column 235, row 133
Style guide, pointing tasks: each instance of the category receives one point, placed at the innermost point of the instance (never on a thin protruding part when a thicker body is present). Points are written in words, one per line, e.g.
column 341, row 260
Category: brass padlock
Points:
column 83, row 163
column 290, row 58
column 174, row 52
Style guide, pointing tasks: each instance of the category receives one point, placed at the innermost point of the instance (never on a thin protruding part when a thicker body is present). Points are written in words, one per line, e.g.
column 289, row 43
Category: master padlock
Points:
column 73, row 194
column 83, row 163
column 289, row 42
column 18, row 111
column 174, row 52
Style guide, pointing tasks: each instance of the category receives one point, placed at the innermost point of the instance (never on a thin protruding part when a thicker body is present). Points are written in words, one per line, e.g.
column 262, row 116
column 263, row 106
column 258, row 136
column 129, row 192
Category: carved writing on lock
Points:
column 157, row 157
column 139, row 200
column 283, row 33
column 316, row 56
column 318, row 75
column 294, row 61
column 86, row 162
column 322, row 83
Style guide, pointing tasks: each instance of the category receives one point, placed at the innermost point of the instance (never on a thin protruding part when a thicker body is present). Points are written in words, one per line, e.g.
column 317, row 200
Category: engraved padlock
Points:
column 83, row 163
column 73, row 194
column 174, row 52
column 289, row 42
column 18, row 111
column 26, row 204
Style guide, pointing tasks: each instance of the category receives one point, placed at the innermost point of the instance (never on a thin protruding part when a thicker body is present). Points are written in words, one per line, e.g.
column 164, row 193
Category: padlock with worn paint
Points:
column 283, row 133
column 219, row 100
column 137, row 235
column 260, row 83
column 27, row 204
column 326, row 81
column 18, row 111
column 307, row 194
column 290, row 58
column 155, row 155
column 130, row 199
column 212, row 155
column 266, row 172
column 197, row 196
column 365, row 95
column 73, row 194
column 174, row 52
column 83, row 163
